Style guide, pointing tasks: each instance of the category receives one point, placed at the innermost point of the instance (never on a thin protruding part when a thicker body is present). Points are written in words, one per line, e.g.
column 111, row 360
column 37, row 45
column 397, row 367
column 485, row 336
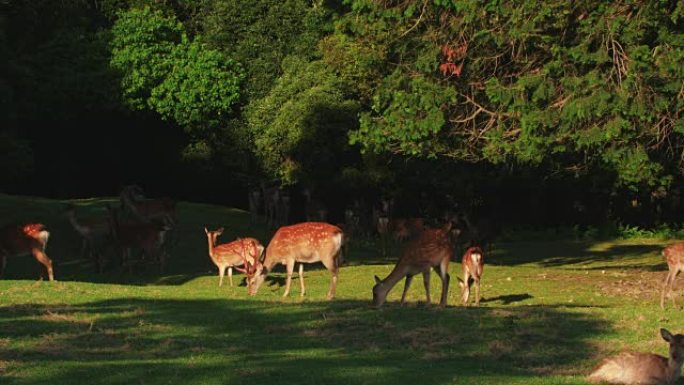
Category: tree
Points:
column 162, row 70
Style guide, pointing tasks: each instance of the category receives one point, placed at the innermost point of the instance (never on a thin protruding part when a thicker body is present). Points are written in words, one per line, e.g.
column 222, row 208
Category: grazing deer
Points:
column 306, row 242
column 632, row 368
column 431, row 249
column 146, row 210
column 93, row 232
column 229, row 255
column 17, row 240
column 674, row 256
column 148, row 237
column 472, row 264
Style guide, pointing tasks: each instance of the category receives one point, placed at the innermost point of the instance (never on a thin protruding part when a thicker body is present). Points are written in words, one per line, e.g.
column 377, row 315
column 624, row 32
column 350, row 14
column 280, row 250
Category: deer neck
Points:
column 674, row 370
column 211, row 248
column 397, row 274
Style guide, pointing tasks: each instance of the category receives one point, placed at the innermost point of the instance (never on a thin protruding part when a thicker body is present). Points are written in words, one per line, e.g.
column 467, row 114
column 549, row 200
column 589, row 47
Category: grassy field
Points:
column 550, row 310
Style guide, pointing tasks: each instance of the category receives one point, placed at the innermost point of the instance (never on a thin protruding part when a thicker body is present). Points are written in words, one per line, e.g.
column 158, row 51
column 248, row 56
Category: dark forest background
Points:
column 531, row 114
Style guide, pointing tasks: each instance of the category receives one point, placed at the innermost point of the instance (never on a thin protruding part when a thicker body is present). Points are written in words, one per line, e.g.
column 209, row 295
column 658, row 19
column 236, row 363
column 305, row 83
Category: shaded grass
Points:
column 549, row 311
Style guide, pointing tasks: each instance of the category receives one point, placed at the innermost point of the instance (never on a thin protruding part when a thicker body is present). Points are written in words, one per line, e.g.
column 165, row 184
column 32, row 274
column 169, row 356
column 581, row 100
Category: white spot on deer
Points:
column 475, row 257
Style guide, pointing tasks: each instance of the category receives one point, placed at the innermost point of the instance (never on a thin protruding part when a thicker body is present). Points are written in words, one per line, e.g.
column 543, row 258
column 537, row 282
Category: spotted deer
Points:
column 674, row 256
column 23, row 239
column 472, row 265
column 306, row 242
column 635, row 368
column 432, row 248
column 232, row 254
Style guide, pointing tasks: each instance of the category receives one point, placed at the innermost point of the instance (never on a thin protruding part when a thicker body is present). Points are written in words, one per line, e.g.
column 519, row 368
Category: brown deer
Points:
column 228, row 255
column 472, row 264
column 31, row 238
column 674, row 256
column 433, row 248
column 146, row 210
column 631, row 368
column 147, row 237
column 94, row 233
column 306, row 242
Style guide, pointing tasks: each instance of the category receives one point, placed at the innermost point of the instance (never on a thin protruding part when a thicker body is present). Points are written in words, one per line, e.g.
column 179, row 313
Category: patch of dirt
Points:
column 639, row 285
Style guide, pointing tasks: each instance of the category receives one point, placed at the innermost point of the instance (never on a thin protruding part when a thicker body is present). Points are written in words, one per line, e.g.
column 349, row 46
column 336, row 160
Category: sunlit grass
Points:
column 549, row 311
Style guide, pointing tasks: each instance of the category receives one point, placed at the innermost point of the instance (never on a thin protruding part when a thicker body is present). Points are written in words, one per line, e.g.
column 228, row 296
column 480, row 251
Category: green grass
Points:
column 550, row 310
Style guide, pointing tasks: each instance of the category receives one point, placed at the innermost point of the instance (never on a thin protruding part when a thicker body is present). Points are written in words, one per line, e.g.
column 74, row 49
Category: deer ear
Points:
column 377, row 279
column 206, row 231
column 667, row 336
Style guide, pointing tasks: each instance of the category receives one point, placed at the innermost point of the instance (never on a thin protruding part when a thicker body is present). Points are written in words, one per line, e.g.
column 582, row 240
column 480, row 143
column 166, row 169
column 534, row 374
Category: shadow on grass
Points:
column 576, row 254
column 122, row 341
column 507, row 299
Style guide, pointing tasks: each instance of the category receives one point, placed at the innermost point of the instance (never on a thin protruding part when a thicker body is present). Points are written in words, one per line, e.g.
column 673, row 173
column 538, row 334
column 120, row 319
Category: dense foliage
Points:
column 450, row 101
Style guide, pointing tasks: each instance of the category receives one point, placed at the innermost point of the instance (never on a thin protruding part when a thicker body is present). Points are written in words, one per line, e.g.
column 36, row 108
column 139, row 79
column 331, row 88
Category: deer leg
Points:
column 301, row 279
column 444, row 275
column 332, row 268
column 222, row 270
column 407, row 284
column 477, row 291
column 426, row 283
column 666, row 283
column 230, row 275
column 672, row 281
column 43, row 259
column 465, row 288
column 288, row 281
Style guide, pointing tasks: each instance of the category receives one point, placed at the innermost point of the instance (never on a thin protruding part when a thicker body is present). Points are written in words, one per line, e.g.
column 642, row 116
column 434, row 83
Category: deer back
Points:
column 233, row 252
column 304, row 242
column 428, row 249
column 674, row 254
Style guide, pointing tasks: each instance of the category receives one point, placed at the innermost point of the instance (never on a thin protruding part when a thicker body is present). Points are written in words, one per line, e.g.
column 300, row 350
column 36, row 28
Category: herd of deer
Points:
column 150, row 221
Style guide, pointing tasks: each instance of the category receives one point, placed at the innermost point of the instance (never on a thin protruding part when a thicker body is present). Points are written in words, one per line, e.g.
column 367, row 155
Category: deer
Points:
column 23, row 239
column 432, row 248
column 472, row 265
column 228, row 255
column 306, row 242
column 146, row 210
column 148, row 237
column 674, row 256
column 93, row 234
column 632, row 368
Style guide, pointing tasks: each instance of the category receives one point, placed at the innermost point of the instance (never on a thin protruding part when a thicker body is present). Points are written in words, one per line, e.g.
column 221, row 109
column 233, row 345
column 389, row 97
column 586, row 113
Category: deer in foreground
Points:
column 236, row 253
column 632, row 368
column 93, row 232
column 306, row 242
column 17, row 240
column 674, row 256
column 147, row 237
column 472, row 264
column 433, row 248
column 146, row 210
